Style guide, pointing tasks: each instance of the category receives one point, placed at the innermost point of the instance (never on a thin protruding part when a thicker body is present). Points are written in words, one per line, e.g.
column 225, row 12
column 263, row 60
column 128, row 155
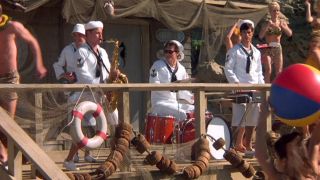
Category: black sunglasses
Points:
column 169, row 51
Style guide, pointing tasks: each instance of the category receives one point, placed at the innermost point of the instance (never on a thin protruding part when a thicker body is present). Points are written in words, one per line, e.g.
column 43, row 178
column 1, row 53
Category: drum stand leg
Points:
column 179, row 154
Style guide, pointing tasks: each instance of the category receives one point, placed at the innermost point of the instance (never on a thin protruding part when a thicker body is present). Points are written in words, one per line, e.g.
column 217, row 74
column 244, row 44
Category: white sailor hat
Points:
column 93, row 25
column 247, row 21
column 180, row 48
column 79, row 28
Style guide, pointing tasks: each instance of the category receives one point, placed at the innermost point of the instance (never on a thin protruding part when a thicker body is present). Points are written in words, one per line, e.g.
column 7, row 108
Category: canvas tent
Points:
column 179, row 15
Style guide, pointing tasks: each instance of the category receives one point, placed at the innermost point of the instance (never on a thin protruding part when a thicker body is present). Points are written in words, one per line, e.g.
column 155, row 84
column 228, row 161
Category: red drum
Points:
column 159, row 129
column 218, row 128
column 186, row 131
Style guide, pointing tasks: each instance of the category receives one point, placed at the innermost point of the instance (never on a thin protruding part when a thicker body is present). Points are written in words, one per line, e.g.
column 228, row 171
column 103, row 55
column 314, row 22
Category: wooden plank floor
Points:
column 137, row 169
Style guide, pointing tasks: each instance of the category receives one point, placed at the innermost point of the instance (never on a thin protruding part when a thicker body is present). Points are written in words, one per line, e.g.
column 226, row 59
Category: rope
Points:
column 77, row 102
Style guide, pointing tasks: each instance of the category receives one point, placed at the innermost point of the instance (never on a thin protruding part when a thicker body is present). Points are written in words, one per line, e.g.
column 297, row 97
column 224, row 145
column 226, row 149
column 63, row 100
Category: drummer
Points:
column 167, row 70
column 243, row 65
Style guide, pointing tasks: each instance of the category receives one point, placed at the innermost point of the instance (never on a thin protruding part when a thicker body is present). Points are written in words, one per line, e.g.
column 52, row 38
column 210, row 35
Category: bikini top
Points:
column 274, row 31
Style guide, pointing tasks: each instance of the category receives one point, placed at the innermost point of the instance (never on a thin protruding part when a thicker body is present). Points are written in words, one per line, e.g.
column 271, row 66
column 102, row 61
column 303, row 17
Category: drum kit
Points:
column 166, row 130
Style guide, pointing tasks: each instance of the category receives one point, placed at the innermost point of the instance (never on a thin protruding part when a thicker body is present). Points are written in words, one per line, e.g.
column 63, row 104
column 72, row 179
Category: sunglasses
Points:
column 169, row 51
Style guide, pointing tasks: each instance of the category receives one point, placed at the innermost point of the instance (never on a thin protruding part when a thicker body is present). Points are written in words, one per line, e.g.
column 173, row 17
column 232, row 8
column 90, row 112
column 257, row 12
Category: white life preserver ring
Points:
column 76, row 130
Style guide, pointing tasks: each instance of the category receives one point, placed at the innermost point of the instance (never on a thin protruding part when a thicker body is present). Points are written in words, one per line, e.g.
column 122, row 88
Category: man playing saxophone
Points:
column 92, row 67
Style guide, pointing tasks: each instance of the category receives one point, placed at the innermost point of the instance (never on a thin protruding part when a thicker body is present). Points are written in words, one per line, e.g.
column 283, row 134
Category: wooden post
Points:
column 38, row 119
column 200, row 107
column 38, row 126
column 266, row 95
column 14, row 160
column 124, row 107
column 124, row 116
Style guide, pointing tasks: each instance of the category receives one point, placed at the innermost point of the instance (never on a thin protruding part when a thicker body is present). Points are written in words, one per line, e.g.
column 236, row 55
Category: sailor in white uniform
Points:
column 243, row 65
column 167, row 70
column 66, row 62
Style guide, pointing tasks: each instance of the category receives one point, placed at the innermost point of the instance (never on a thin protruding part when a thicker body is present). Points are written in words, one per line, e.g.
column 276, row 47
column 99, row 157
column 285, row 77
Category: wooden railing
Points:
column 19, row 141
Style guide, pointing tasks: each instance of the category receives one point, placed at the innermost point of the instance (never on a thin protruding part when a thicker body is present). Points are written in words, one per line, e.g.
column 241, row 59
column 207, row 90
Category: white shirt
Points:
column 87, row 65
column 159, row 73
column 65, row 60
column 235, row 66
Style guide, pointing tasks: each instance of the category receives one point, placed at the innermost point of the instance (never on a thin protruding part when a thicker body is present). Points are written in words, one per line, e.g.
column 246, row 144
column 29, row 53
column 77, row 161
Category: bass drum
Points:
column 159, row 129
column 218, row 128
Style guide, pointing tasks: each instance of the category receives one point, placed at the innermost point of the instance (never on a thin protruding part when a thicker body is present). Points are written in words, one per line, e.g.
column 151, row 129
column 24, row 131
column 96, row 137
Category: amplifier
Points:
column 246, row 97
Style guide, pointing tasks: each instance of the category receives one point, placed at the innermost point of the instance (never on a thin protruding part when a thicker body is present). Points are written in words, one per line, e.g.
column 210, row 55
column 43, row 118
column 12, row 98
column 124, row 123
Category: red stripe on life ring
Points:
column 77, row 114
column 97, row 112
column 83, row 142
column 103, row 135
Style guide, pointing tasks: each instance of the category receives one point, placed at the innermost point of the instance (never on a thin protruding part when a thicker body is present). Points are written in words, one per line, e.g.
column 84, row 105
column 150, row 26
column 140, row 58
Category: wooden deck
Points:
column 218, row 169
column 49, row 163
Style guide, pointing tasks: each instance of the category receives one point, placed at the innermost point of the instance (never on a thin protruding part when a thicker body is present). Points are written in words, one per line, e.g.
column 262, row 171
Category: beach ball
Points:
column 295, row 95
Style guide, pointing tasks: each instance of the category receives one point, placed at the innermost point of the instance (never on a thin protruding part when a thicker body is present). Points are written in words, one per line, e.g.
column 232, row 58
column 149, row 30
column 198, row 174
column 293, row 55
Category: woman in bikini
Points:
column 314, row 51
column 313, row 20
column 272, row 31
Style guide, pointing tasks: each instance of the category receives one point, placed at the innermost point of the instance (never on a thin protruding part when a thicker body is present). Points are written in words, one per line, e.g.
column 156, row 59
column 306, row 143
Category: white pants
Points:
column 112, row 118
column 174, row 109
column 245, row 114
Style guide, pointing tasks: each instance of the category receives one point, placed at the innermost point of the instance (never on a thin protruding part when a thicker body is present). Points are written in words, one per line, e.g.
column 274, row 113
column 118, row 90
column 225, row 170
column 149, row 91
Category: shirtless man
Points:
column 9, row 32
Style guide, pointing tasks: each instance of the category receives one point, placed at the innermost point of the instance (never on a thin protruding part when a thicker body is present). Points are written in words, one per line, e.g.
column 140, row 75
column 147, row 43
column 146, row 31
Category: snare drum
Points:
column 187, row 130
column 159, row 129
column 218, row 128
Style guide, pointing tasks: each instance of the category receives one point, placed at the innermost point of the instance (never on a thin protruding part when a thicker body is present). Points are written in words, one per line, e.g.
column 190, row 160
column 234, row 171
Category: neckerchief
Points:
column 99, row 63
column 173, row 73
column 249, row 57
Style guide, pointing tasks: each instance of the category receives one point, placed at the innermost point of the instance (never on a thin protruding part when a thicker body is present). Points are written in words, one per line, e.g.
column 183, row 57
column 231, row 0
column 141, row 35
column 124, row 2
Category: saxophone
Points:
column 121, row 79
